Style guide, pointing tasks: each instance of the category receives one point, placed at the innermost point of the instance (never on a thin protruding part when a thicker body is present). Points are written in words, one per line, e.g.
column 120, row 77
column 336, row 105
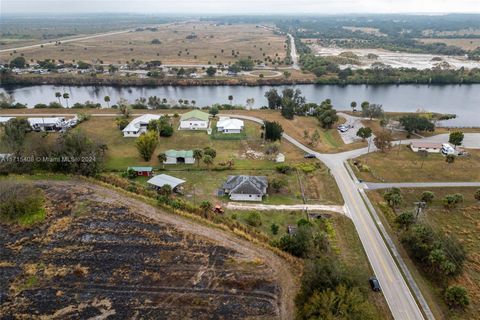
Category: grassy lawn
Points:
column 343, row 239
column 202, row 185
column 122, row 152
column 403, row 165
column 462, row 222
column 330, row 140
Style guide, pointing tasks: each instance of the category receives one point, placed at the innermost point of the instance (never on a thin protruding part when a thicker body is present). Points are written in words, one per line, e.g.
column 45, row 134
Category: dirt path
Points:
column 290, row 207
column 285, row 276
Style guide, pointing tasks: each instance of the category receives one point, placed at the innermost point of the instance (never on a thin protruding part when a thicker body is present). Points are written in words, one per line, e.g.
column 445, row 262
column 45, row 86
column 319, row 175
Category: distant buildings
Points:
column 246, row 188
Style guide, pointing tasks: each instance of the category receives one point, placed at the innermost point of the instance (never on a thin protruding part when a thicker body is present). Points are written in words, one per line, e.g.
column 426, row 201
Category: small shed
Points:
column 142, row 171
column 164, row 179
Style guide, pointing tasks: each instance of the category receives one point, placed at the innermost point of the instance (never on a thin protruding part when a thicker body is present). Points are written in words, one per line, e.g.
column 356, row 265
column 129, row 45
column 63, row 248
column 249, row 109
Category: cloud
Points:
column 242, row 6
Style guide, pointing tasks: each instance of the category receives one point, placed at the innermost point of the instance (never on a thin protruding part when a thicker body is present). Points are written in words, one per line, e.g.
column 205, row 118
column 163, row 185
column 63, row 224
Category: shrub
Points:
column 405, row 219
column 284, row 168
column 457, row 297
column 477, row 195
column 122, row 123
column 452, row 200
column 274, row 228
column 427, row 196
column 20, row 203
column 253, row 219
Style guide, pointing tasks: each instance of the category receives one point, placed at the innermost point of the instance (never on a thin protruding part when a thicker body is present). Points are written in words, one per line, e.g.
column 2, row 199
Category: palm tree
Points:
column 208, row 160
column 197, row 155
column 162, row 157
column 230, row 98
column 66, row 96
column 353, row 105
column 58, row 95
column 193, row 102
column 107, row 100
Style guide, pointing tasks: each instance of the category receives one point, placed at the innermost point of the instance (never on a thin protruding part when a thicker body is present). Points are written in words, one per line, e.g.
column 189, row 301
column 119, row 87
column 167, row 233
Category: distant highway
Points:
column 293, row 53
column 52, row 43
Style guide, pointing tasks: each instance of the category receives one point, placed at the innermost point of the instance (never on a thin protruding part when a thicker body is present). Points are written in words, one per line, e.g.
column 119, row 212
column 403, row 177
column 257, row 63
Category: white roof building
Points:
column 46, row 123
column 139, row 125
column 5, row 119
column 228, row 125
column 164, row 179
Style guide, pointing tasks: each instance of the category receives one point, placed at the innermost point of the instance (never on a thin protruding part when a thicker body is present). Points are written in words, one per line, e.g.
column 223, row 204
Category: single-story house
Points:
column 5, row 119
column 164, row 179
column 47, row 124
column 139, row 125
column 179, row 156
column 194, row 120
column 246, row 188
column 430, row 147
column 228, row 125
column 142, row 171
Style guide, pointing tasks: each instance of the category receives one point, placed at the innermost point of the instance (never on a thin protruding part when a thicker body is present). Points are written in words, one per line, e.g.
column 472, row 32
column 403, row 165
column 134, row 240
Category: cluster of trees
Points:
column 439, row 254
column 413, row 123
column 291, row 102
column 328, row 71
column 329, row 290
column 371, row 110
column 72, row 152
column 162, row 126
column 326, row 114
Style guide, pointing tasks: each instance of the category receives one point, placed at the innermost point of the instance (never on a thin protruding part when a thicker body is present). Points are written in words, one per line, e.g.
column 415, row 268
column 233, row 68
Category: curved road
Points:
column 395, row 289
column 375, row 240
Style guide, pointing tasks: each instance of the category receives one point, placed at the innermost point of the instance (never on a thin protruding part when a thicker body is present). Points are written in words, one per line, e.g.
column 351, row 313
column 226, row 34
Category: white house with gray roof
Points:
column 139, row 125
column 246, row 188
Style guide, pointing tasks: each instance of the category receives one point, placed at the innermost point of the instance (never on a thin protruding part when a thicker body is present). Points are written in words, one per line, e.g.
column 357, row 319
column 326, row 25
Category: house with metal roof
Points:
column 194, row 120
column 139, row 125
column 246, row 188
column 179, row 156
column 229, row 125
column 164, row 179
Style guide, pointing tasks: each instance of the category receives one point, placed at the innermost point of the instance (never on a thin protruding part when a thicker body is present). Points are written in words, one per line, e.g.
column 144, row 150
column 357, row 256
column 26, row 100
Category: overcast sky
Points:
column 241, row 6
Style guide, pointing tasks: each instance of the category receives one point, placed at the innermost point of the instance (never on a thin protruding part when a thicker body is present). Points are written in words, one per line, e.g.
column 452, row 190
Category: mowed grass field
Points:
column 464, row 43
column 461, row 222
column 403, row 165
column 213, row 43
column 247, row 154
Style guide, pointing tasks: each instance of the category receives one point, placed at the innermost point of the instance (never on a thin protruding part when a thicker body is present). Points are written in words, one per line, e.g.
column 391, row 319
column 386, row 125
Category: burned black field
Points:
column 94, row 256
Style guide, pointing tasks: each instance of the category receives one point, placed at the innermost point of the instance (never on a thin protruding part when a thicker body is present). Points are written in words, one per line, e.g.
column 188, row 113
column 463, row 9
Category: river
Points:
column 463, row 100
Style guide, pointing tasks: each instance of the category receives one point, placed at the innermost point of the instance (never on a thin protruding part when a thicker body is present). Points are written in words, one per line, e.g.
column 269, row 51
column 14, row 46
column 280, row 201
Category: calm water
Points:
column 463, row 100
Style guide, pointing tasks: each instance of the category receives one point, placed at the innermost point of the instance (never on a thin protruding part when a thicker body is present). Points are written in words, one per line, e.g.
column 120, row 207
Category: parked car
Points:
column 374, row 284
column 309, row 156
column 343, row 128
